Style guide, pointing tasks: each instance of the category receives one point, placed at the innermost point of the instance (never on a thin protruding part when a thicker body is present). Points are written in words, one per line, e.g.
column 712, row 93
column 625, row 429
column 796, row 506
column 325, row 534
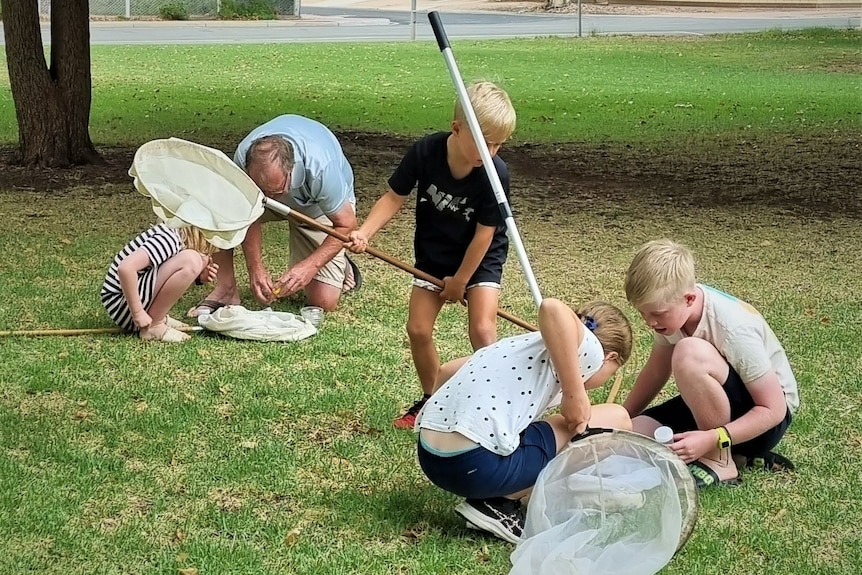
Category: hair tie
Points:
column 590, row 322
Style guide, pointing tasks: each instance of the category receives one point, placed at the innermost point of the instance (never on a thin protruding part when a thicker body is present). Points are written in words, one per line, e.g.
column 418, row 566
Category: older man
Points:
column 298, row 162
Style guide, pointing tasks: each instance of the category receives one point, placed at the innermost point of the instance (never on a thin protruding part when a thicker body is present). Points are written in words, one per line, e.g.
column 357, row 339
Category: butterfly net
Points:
column 614, row 503
column 193, row 185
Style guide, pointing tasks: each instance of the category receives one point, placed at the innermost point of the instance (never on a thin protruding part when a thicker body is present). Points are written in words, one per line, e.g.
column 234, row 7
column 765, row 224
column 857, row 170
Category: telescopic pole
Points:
column 487, row 161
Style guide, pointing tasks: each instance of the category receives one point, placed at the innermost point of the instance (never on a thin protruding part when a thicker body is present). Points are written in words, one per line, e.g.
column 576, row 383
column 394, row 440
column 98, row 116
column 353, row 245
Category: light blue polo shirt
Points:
column 322, row 179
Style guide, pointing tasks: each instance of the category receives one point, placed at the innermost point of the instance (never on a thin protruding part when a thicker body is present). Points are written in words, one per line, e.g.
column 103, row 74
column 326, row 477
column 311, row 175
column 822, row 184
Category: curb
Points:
column 302, row 21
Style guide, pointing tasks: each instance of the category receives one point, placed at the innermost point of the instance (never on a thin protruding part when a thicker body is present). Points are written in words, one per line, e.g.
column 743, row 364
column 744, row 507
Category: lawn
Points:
column 596, row 89
column 222, row 457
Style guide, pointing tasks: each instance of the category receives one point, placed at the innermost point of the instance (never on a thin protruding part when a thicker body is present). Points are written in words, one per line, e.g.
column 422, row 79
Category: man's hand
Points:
column 576, row 411
column 295, row 279
column 261, row 285
column 453, row 289
column 692, row 445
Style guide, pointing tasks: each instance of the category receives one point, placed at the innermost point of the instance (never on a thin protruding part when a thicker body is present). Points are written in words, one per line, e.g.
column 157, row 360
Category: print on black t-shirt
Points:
column 447, row 210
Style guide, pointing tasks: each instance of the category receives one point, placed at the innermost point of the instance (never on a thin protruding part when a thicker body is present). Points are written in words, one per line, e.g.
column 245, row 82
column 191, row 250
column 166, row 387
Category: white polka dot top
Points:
column 502, row 389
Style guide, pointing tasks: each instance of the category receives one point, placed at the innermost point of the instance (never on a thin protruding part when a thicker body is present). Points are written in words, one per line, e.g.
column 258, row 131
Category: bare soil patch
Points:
column 813, row 176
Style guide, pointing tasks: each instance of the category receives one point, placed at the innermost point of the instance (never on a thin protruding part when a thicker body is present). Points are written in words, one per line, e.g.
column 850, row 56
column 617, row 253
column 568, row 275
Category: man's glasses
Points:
column 282, row 190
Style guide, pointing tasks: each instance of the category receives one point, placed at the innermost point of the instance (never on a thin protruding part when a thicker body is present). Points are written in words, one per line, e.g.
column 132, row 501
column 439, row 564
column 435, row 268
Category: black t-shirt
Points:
column 447, row 210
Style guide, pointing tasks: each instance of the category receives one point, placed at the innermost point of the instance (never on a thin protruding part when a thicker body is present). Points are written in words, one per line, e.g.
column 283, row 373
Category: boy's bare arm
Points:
column 650, row 380
column 455, row 287
column 769, row 409
column 562, row 332
column 383, row 210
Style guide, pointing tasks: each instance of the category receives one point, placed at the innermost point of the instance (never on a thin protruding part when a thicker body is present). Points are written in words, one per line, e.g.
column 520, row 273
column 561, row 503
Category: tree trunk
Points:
column 52, row 104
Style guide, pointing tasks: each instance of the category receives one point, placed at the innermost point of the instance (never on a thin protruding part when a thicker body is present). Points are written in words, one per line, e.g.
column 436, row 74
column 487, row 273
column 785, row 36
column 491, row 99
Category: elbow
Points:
column 551, row 307
column 124, row 269
column 780, row 413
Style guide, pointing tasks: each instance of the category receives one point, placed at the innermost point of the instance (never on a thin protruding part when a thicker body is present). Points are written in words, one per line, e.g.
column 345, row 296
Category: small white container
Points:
column 312, row 314
column 664, row 435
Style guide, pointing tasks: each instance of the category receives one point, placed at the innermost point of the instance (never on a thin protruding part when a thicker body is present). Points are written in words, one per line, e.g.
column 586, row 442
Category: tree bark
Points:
column 52, row 104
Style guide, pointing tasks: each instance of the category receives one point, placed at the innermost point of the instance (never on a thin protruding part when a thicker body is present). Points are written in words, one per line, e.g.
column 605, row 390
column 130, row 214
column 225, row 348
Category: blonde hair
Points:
column 611, row 327
column 270, row 149
column 193, row 239
column 493, row 109
column 661, row 272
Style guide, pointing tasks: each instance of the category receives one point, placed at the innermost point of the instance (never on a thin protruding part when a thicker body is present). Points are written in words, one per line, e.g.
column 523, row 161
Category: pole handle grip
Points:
column 439, row 32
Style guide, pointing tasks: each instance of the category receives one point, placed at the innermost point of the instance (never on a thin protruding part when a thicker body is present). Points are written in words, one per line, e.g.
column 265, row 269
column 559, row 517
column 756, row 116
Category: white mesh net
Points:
column 260, row 325
column 191, row 184
column 615, row 503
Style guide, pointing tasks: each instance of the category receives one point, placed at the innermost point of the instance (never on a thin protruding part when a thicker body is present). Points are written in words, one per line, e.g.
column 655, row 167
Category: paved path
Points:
column 319, row 23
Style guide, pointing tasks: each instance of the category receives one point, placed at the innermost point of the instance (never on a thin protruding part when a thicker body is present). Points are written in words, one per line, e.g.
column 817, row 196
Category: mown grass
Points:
column 233, row 457
column 220, row 456
column 590, row 89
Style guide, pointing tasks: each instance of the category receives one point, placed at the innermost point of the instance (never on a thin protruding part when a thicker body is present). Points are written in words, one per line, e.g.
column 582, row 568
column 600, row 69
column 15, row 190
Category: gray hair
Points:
column 268, row 150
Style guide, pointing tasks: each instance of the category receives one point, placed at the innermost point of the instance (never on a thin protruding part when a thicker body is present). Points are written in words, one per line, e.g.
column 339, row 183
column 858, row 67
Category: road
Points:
column 321, row 24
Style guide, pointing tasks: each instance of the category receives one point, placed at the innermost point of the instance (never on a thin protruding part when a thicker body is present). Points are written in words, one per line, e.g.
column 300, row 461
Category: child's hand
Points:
column 357, row 242
column 692, row 445
column 453, row 290
column 576, row 412
column 142, row 319
column 210, row 271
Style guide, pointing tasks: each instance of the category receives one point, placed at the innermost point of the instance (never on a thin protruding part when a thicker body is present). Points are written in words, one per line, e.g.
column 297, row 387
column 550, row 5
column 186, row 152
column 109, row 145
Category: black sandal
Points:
column 357, row 278
column 770, row 461
column 704, row 476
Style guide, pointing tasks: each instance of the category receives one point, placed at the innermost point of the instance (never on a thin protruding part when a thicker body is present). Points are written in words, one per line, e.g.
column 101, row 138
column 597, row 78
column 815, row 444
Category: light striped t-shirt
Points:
column 161, row 243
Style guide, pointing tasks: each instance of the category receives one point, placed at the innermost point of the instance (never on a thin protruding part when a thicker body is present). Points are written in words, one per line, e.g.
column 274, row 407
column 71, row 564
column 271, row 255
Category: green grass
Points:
column 253, row 458
column 235, row 457
column 591, row 89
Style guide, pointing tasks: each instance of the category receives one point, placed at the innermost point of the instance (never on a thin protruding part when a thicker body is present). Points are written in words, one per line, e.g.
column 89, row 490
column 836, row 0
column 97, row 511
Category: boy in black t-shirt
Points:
column 460, row 233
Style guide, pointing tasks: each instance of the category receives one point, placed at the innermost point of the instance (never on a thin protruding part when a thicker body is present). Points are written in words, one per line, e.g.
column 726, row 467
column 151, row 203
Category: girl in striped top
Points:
column 149, row 276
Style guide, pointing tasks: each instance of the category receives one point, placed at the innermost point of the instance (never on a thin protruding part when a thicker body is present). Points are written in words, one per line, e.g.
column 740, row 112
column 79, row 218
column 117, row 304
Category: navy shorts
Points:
column 675, row 414
column 481, row 474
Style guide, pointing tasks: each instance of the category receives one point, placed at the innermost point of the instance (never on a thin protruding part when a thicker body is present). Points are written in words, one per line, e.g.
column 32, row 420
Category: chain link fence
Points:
column 151, row 8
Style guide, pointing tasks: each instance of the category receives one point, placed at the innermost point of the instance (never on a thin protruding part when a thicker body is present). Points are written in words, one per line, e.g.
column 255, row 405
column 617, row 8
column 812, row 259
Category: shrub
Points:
column 174, row 10
column 247, row 10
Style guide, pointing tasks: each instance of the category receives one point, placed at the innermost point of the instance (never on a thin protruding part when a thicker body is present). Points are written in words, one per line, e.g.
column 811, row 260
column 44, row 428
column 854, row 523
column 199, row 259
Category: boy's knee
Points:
column 693, row 352
column 483, row 333
column 419, row 331
column 618, row 417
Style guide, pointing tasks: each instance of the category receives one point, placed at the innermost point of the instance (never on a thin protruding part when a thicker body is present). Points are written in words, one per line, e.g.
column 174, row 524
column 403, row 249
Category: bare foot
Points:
column 213, row 302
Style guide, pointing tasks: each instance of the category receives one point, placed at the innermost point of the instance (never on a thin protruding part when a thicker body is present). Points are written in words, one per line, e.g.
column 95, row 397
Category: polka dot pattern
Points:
column 503, row 388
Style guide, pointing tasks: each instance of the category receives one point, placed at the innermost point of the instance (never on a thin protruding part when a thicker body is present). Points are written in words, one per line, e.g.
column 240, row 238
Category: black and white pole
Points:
column 487, row 161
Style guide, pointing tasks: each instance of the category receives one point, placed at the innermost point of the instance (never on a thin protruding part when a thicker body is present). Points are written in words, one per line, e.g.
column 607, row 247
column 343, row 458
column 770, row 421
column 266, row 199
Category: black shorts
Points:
column 490, row 270
column 675, row 414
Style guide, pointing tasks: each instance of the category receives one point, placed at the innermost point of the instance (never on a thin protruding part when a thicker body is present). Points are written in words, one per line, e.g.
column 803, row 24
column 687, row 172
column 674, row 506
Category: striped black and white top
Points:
column 161, row 243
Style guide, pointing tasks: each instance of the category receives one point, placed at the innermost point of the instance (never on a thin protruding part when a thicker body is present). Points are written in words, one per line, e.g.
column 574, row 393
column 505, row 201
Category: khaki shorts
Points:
column 304, row 240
